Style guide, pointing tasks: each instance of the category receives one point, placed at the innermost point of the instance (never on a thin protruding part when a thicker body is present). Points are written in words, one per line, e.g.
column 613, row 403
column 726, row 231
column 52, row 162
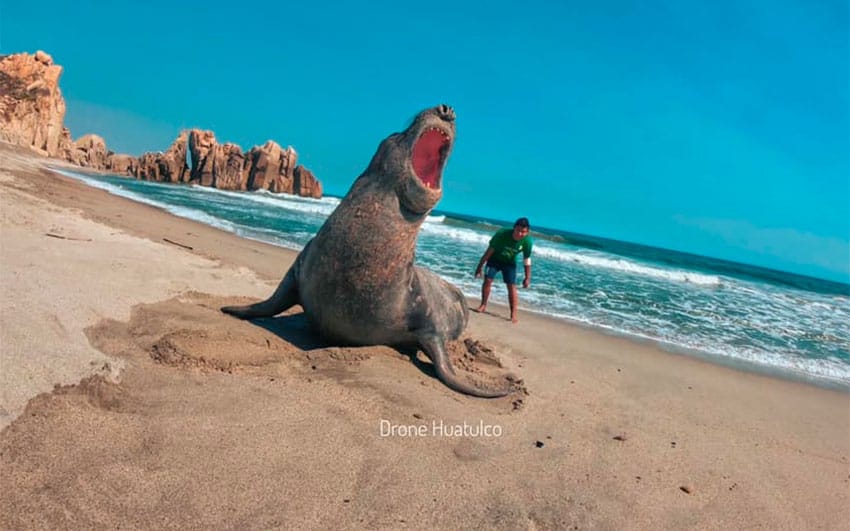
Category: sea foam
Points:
column 627, row 266
column 180, row 211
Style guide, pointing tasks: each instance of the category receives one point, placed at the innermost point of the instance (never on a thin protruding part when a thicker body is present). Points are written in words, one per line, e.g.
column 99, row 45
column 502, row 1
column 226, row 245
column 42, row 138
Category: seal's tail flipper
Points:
column 283, row 298
column 435, row 348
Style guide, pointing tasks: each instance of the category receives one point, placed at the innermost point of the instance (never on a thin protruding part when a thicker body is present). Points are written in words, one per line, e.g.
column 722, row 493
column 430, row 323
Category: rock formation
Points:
column 224, row 166
column 121, row 164
column 89, row 151
column 270, row 167
column 306, row 183
column 32, row 111
column 168, row 167
column 31, row 105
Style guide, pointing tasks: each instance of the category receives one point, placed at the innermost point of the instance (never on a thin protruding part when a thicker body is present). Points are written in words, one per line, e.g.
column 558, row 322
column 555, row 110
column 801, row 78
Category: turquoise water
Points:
column 731, row 313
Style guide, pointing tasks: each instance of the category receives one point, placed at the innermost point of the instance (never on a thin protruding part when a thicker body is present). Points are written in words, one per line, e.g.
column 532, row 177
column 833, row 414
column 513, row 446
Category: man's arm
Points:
column 526, row 253
column 487, row 254
column 527, row 263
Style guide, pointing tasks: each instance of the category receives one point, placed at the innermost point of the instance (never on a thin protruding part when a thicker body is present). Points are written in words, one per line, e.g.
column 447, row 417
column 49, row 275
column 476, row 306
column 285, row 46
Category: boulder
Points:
column 228, row 167
column 270, row 167
column 201, row 153
column 169, row 166
column 120, row 164
column 90, row 152
column 305, row 183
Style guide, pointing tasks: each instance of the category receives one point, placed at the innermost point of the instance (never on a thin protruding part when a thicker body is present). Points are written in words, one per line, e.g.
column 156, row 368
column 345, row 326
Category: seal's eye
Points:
column 429, row 155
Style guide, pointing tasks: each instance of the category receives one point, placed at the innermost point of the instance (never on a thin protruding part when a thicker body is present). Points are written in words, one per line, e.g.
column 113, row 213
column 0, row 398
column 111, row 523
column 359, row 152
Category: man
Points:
column 501, row 256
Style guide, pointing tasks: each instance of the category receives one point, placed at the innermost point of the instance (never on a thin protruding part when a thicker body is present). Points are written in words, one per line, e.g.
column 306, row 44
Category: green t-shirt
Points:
column 506, row 249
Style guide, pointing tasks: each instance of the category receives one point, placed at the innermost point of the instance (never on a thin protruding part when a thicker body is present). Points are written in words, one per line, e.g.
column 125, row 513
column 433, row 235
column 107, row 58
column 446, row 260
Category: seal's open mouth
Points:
column 429, row 155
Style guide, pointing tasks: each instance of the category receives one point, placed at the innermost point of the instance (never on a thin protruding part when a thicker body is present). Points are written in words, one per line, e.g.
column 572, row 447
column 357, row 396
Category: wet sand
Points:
column 128, row 400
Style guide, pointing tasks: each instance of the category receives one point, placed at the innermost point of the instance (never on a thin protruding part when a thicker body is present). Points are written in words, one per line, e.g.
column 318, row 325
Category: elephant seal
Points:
column 356, row 280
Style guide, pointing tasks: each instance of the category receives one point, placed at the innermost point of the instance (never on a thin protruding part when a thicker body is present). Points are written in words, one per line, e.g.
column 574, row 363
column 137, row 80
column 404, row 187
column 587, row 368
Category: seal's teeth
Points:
column 438, row 130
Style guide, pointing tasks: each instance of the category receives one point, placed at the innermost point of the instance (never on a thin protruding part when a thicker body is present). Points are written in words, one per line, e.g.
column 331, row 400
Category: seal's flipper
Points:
column 435, row 348
column 283, row 298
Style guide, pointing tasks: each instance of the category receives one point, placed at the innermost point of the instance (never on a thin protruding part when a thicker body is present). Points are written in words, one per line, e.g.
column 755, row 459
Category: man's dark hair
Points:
column 523, row 223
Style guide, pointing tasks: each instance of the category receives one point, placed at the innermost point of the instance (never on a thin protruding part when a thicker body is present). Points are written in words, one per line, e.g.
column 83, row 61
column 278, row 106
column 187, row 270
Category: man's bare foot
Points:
column 514, row 319
column 482, row 308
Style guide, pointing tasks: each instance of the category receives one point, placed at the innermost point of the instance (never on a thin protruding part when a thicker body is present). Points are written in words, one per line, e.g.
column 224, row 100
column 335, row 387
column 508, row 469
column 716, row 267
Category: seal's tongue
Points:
column 428, row 157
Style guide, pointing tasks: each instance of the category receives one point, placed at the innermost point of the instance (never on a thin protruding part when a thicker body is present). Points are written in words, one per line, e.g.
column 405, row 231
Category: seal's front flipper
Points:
column 435, row 348
column 283, row 298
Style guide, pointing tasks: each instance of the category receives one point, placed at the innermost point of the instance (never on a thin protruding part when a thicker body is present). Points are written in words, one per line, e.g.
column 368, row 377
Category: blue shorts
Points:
column 508, row 271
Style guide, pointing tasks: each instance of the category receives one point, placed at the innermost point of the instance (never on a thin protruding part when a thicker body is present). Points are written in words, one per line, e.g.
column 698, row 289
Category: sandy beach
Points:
column 128, row 400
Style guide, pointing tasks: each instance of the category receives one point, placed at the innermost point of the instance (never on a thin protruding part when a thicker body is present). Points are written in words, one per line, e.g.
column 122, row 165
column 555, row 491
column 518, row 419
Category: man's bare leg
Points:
column 512, row 299
column 485, row 294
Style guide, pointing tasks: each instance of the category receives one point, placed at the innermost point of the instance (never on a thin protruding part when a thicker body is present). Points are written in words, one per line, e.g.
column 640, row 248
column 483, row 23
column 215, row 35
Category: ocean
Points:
column 744, row 316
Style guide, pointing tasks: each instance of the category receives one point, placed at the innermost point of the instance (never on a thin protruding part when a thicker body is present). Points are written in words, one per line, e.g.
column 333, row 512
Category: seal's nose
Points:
column 446, row 113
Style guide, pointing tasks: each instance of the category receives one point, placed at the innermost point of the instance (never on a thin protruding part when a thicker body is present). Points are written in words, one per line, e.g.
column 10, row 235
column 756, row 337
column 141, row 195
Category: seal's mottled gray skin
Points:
column 356, row 280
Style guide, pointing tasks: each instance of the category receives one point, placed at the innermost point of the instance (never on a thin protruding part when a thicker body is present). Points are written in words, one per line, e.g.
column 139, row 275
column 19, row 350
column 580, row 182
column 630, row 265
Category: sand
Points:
column 129, row 401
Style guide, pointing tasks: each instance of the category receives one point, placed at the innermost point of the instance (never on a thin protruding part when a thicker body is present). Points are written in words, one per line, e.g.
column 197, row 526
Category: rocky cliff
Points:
column 32, row 111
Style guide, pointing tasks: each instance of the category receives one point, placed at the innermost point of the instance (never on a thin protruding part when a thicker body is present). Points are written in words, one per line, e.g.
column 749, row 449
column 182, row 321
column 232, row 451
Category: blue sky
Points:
column 717, row 128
